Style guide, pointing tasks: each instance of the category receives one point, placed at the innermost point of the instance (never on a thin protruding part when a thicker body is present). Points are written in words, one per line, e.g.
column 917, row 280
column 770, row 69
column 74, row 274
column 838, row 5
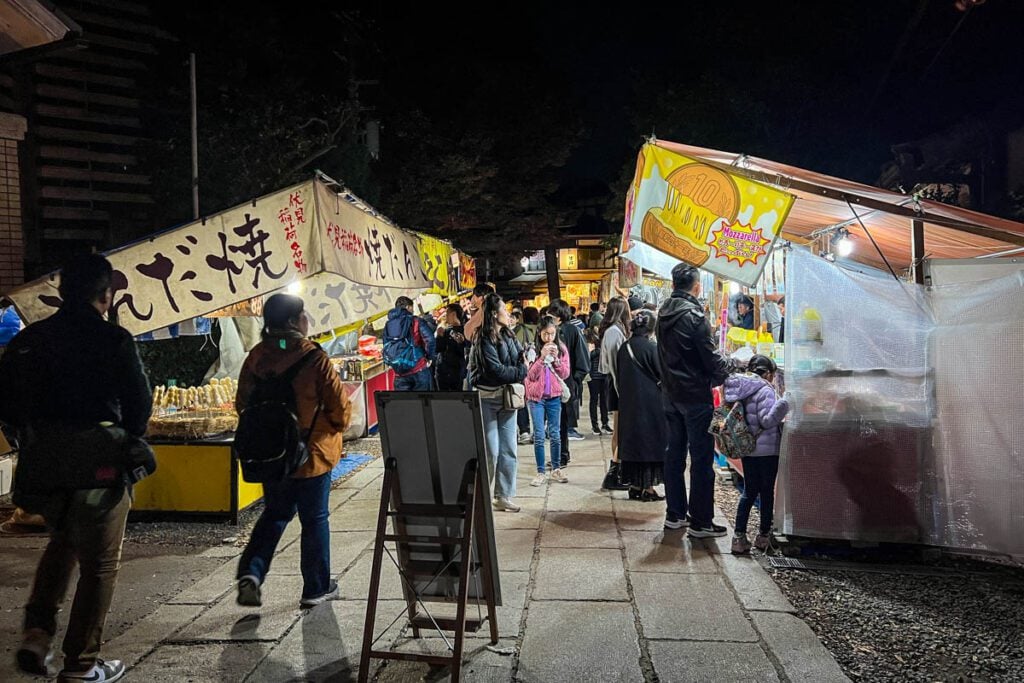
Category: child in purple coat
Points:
column 764, row 410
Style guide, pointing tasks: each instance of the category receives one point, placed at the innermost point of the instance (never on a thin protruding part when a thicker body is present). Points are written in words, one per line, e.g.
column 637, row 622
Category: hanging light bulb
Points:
column 525, row 262
column 842, row 245
column 734, row 288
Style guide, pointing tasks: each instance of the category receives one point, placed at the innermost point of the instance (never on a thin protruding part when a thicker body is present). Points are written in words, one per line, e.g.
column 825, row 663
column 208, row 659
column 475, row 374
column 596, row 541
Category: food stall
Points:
column 316, row 240
column 899, row 429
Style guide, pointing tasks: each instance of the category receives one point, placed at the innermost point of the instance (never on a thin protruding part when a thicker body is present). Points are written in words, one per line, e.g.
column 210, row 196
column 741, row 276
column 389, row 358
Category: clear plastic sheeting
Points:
column 905, row 424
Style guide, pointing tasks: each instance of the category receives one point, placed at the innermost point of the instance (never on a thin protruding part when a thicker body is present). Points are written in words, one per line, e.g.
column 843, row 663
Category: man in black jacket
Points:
column 579, row 366
column 690, row 367
column 75, row 368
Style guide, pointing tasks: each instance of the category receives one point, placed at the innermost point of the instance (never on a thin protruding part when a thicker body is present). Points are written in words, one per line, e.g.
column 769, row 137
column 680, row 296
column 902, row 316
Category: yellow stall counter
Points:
column 200, row 477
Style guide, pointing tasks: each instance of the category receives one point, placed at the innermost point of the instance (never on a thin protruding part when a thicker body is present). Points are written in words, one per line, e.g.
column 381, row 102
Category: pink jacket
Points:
column 536, row 377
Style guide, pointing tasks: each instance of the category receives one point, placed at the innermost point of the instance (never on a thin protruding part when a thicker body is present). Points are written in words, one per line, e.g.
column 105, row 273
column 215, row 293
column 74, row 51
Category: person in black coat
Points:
column 496, row 360
column 579, row 367
column 643, row 430
column 451, row 350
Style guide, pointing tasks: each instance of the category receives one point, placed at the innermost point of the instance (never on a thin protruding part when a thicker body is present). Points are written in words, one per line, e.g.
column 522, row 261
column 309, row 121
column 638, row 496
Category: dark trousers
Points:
column 598, row 398
column 759, row 474
column 90, row 529
column 570, row 416
column 281, row 500
column 418, row 381
column 523, row 420
column 688, row 433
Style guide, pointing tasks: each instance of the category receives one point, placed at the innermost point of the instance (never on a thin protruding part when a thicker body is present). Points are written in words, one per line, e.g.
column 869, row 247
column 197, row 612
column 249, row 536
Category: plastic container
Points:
column 367, row 344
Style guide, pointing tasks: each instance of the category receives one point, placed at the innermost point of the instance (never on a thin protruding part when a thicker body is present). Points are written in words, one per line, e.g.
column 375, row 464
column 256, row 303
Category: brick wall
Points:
column 12, row 243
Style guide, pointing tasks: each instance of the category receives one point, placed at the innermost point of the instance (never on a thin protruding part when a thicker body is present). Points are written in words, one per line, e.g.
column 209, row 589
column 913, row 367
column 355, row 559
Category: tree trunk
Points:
column 551, row 263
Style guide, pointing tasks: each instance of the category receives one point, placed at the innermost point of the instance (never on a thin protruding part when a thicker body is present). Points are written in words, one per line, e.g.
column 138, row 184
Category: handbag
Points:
column 57, row 458
column 566, row 392
column 513, row 396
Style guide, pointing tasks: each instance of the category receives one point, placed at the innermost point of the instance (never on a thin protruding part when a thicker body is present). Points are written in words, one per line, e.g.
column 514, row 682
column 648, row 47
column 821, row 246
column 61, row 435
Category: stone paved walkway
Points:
column 594, row 590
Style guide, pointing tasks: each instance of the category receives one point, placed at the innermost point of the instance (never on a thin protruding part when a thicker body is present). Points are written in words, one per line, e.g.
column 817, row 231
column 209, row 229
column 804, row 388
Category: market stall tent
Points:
column 355, row 261
column 825, row 202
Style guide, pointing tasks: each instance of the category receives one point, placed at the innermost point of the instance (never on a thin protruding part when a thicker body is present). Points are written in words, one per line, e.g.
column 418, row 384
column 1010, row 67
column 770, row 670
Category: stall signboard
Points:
column 333, row 301
column 630, row 273
column 364, row 248
column 681, row 209
column 202, row 266
column 260, row 247
column 436, row 260
column 467, row 272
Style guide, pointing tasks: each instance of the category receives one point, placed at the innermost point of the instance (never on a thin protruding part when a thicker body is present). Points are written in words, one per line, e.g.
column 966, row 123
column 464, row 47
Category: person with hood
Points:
column 409, row 345
column 323, row 411
column 764, row 411
column 691, row 366
column 643, row 433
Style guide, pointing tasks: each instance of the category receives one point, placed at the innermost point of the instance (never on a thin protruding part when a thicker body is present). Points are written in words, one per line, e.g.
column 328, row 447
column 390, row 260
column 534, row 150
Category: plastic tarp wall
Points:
column 905, row 421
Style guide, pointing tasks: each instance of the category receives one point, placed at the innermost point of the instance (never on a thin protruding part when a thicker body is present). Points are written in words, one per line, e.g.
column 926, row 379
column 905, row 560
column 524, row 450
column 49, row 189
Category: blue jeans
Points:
column 500, row 433
column 551, row 410
column 759, row 474
column 688, row 431
column 418, row 381
column 281, row 500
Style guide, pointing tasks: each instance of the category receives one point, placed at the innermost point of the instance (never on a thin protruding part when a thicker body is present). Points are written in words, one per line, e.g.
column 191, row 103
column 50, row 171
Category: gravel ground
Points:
column 953, row 619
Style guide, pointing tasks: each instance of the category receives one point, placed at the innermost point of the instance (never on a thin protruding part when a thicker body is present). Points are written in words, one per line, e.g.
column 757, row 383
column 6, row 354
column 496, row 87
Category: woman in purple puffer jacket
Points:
column 764, row 411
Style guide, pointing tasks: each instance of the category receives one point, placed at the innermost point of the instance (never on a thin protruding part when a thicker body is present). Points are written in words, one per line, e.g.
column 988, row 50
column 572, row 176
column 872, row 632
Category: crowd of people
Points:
column 650, row 373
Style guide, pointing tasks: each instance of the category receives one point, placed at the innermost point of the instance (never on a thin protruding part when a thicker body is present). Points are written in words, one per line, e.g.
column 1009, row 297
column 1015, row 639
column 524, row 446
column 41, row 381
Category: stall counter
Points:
column 196, row 478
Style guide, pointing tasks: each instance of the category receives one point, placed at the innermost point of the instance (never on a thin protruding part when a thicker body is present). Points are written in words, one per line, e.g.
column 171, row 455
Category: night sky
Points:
column 825, row 85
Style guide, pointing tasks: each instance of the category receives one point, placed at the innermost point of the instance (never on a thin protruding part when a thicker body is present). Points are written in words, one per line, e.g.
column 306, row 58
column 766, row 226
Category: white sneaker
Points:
column 539, row 480
column 101, row 672
column 559, row 476
column 505, row 505
column 525, row 438
column 332, row 593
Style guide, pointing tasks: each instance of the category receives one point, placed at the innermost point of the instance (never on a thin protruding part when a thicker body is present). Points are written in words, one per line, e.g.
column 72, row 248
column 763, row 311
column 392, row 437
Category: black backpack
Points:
column 269, row 442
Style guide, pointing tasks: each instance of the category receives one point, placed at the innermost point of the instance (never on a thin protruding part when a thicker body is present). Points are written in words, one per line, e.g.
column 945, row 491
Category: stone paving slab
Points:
column 515, row 548
column 510, row 613
column 798, row 650
column 221, row 552
column 356, row 516
column 362, row 478
column 580, row 574
column 231, row 622
column 327, row 643
column 346, row 546
column 561, row 643
column 574, row 498
column 370, row 492
column 688, row 662
column 209, row 589
column 756, row 590
column 339, row 496
column 136, row 642
column 527, row 518
column 354, row 584
column 635, row 516
column 479, row 664
column 200, row 663
column 689, row 607
column 579, row 530
column 665, row 551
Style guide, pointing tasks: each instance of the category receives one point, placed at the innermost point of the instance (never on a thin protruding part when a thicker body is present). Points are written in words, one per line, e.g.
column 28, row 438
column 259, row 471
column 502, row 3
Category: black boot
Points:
column 611, row 479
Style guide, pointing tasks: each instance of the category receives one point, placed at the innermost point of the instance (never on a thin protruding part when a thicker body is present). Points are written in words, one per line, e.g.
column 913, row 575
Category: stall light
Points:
column 842, row 245
column 734, row 288
column 295, row 288
column 525, row 262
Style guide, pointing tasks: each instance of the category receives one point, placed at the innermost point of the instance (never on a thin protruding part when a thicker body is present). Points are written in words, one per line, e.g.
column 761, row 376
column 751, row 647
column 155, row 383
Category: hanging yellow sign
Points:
column 682, row 209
